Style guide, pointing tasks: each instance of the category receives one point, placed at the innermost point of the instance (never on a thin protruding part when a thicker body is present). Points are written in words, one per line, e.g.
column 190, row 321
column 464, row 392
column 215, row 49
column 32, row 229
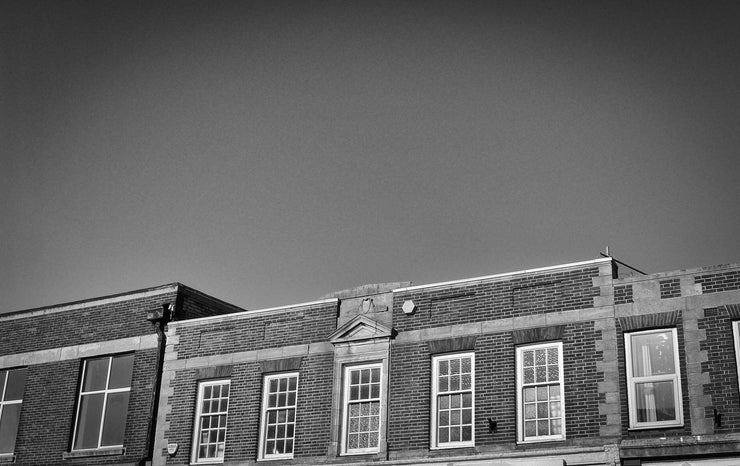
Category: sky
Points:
column 269, row 153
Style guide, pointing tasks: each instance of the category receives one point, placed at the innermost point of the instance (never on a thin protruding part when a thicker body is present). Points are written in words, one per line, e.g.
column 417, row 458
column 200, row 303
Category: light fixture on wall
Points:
column 492, row 426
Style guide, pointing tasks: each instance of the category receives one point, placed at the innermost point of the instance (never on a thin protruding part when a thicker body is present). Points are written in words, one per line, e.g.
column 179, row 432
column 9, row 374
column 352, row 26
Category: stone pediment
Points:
column 358, row 329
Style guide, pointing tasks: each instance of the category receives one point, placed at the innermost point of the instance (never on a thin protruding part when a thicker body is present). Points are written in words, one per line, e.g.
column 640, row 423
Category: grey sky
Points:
column 270, row 152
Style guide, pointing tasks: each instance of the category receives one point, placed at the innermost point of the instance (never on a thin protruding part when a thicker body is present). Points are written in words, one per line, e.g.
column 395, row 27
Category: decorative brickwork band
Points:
column 531, row 335
column 215, row 372
column 281, row 365
column 670, row 288
column 623, row 294
column 664, row 319
column 716, row 282
column 733, row 310
column 452, row 344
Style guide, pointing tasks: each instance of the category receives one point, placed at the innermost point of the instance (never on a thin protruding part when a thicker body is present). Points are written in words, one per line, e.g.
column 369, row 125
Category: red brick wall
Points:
column 653, row 433
column 49, row 405
column 80, row 326
column 716, row 282
column 722, row 368
column 495, row 390
column 313, row 415
column 259, row 331
column 476, row 302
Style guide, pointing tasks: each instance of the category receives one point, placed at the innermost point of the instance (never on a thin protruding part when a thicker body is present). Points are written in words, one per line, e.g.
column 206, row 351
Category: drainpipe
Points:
column 159, row 318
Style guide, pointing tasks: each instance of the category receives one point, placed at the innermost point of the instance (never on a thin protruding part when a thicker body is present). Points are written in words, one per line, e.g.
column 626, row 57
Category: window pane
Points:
column 88, row 421
column 455, row 366
column 115, row 419
column 9, row 427
column 279, row 424
column 540, row 404
column 96, row 374
column 212, row 426
column 16, row 381
column 655, row 402
column 466, row 381
column 120, row 371
column 652, row 354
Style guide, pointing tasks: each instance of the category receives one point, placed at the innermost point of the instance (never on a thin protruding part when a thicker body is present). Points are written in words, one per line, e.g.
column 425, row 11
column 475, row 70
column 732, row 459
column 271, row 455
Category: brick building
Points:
column 563, row 365
column 519, row 368
column 79, row 381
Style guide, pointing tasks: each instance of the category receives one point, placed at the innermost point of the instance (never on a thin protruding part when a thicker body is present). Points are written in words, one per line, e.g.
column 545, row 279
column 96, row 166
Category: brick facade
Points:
column 583, row 309
column 52, row 343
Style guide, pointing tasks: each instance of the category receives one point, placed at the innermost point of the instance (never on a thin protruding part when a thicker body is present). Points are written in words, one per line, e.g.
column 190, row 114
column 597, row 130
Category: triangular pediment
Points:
column 358, row 329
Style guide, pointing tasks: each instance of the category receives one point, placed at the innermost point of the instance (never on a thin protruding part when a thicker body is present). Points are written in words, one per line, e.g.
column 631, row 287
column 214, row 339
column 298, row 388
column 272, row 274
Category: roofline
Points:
column 502, row 275
column 706, row 270
column 189, row 289
column 90, row 302
column 250, row 313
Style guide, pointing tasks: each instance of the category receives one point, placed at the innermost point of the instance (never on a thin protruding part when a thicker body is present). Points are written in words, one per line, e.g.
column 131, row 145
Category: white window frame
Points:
column 346, row 402
column 195, row 459
column 263, row 455
column 736, row 339
column 4, row 402
column 435, row 444
column 106, row 392
column 520, row 386
column 632, row 381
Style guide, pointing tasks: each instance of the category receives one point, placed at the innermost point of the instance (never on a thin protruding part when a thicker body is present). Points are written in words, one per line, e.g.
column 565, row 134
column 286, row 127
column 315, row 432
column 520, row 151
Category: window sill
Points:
column 92, row 453
column 452, row 447
column 275, row 458
column 540, row 440
column 657, row 426
column 7, row 458
column 360, row 453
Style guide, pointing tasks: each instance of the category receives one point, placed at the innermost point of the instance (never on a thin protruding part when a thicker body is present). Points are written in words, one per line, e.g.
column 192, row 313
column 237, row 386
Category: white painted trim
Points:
column 196, row 428
column 87, row 350
column 86, row 304
column 345, row 451
column 675, row 378
column 736, row 339
column 434, row 443
column 225, row 317
column 105, row 392
column 519, row 393
column 262, row 456
column 3, row 402
column 503, row 275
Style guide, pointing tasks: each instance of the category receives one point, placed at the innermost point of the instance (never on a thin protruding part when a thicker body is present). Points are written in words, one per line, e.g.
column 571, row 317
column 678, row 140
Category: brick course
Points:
column 670, row 288
column 623, row 294
column 80, row 326
column 722, row 369
column 491, row 300
column 716, row 282
column 49, row 410
column 258, row 331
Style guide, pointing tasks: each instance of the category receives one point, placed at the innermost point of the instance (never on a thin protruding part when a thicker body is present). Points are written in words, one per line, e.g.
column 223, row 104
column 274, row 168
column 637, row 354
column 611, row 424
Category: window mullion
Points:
column 5, row 385
column 105, row 402
column 79, row 403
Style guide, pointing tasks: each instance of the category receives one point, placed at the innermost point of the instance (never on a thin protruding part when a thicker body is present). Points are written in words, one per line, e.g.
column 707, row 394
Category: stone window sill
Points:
column 7, row 458
column 92, row 453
